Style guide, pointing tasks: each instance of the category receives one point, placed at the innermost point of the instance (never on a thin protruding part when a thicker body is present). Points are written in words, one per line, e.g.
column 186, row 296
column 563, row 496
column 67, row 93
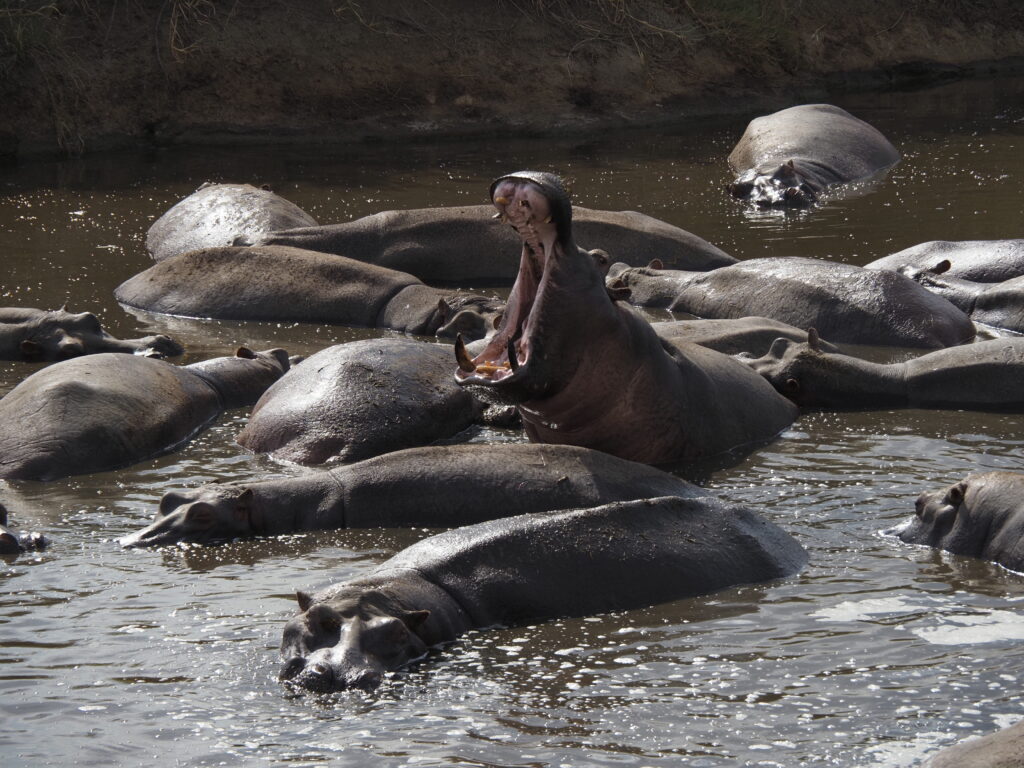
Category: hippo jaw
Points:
column 211, row 515
column 516, row 365
column 347, row 642
column 784, row 186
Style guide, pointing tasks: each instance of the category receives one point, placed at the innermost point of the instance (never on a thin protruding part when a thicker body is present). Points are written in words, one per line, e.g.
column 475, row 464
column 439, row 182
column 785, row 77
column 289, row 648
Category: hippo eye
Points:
column 330, row 624
column 792, row 386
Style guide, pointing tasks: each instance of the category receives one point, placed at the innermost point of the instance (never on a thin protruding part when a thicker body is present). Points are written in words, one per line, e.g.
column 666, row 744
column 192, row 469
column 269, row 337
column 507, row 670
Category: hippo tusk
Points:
column 513, row 359
column 462, row 356
column 497, row 215
column 501, row 200
column 548, row 220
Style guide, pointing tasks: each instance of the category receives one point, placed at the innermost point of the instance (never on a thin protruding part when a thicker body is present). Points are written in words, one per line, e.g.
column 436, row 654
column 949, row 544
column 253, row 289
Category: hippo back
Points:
column 828, row 135
column 617, row 556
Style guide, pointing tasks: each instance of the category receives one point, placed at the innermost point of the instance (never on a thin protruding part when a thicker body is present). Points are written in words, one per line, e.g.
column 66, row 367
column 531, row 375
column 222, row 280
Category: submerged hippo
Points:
column 1002, row 749
column 741, row 335
column 984, row 376
column 585, row 369
column 981, row 516
column 12, row 543
column 353, row 401
column 218, row 214
column 37, row 335
column 278, row 283
column 524, row 569
column 107, row 411
column 434, row 486
column 985, row 261
column 847, row 304
column 456, row 245
column 792, row 156
column 999, row 305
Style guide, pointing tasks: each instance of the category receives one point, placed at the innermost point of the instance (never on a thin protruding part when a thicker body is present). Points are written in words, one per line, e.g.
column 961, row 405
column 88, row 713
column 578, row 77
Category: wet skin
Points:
column 981, row 516
column 984, row 376
column 567, row 563
column 106, row 411
column 585, row 369
column 791, row 157
column 36, row 335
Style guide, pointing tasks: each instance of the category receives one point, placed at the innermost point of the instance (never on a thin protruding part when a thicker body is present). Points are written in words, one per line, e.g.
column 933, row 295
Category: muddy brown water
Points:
column 877, row 655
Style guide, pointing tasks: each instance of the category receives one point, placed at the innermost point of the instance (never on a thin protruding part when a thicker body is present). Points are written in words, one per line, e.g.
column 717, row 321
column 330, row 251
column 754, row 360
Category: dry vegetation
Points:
column 80, row 74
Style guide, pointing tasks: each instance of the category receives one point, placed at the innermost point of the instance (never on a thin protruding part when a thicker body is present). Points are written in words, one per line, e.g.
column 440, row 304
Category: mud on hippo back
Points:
column 790, row 157
column 38, row 335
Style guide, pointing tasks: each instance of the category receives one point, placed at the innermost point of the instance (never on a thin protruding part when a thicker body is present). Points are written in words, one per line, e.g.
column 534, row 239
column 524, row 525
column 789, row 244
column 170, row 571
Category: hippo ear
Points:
column 243, row 504
column 955, row 495
column 496, row 322
column 31, row 350
column 656, row 264
column 942, row 266
column 442, row 311
column 414, row 619
column 813, row 340
column 789, row 164
column 304, row 600
column 245, row 352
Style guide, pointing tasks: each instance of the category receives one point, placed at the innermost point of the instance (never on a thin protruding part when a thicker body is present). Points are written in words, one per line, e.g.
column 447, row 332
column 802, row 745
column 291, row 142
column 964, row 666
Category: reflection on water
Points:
column 876, row 655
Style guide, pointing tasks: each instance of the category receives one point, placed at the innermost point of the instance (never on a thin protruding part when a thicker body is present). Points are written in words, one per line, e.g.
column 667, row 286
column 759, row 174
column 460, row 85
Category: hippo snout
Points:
column 331, row 669
column 161, row 346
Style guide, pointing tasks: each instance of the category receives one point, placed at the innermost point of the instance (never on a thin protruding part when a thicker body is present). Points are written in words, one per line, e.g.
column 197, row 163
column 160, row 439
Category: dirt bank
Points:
column 81, row 74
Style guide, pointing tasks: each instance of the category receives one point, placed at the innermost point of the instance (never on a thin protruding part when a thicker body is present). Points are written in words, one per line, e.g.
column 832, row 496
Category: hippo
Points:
column 12, row 543
column 790, row 157
column 524, row 569
column 429, row 486
column 106, row 411
column 218, row 214
column 847, row 304
column 996, row 305
column 284, row 284
column 984, row 376
column 1002, row 749
column 585, row 369
column 41, row 335
column 984, row 261
column 463, row 244
column 356, row 400
column 981, row 516
column 735, row 336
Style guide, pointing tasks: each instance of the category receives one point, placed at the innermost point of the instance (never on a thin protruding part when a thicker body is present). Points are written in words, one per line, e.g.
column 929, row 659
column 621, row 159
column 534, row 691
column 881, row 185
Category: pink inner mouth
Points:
column 522, row 205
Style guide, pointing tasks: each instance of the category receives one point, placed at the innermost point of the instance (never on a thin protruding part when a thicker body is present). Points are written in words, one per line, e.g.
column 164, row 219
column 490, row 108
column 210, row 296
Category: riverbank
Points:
column 76, row 75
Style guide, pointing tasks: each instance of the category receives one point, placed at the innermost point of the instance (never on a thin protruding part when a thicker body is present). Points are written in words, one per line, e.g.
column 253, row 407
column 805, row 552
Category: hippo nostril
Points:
column 292, row 667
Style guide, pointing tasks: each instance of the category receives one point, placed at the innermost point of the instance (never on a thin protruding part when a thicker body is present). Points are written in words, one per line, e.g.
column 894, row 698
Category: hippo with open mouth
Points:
column 585, row 369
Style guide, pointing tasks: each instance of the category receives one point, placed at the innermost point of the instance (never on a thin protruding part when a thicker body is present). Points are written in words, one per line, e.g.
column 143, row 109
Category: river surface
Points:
column 878, row 654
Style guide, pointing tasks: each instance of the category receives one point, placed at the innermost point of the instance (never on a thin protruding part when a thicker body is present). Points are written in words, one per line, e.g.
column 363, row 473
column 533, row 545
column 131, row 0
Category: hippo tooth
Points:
column 513, row 359
column 498, row 215
column 501, row 200
column 461, row 356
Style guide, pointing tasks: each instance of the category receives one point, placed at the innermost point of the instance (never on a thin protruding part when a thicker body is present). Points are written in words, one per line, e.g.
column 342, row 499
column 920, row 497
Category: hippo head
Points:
column 980, row 516
column 348, row 641
column 241, row 379
column 799, row 371
column 782, row 186
column 61, row 335
column 533, row 351
column 207, row 515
